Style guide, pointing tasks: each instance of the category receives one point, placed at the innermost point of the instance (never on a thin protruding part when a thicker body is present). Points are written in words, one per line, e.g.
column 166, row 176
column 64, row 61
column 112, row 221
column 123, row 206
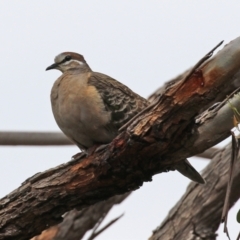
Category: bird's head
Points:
column 69, row 61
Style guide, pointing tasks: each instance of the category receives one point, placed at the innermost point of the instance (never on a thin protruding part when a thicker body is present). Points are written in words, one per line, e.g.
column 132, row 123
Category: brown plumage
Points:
column 90, row 107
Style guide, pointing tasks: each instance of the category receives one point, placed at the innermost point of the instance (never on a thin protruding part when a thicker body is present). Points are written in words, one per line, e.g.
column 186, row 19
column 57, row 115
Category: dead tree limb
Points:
column 209, row 153
column 77, row 223
column 150, row 145
column 197, row 215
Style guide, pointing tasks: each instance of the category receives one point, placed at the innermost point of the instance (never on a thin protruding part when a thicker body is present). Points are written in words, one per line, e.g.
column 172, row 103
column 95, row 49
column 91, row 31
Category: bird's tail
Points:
column 186, row 169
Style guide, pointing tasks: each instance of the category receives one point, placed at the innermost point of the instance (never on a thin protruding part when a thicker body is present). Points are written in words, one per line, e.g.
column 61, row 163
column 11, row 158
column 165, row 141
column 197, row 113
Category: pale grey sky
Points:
column 140, row 43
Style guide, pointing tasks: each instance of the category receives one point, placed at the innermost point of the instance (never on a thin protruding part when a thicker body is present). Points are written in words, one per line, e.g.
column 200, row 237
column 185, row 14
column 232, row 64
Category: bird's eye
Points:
column 67, row 58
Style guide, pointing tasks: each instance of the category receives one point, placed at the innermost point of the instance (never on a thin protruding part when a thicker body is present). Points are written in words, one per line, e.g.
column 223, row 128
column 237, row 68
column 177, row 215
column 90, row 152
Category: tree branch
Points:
column 209, row 153
column 77, row 223
column 197, row 215
column 212, row 126
column 11, row 138
column 146, row 148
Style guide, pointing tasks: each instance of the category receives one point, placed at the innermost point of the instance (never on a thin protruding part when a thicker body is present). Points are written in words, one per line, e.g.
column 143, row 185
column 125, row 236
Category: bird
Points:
column 90, row 107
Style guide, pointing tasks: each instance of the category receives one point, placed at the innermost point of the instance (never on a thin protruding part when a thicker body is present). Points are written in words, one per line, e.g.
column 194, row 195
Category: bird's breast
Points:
column 79, row 110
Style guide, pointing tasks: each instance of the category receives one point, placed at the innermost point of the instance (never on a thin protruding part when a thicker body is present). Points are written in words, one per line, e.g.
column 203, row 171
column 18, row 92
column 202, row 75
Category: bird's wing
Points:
column 124, row 104
column 118, row 99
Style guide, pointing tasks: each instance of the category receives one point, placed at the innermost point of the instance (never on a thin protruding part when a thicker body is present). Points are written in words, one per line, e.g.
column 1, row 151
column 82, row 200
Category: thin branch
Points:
column 95, row 234
column 238, row 237
column 12, row 138
column 234, row 156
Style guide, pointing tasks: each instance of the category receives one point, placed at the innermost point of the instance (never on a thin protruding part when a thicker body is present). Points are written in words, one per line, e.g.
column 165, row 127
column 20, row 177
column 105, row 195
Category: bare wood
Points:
column 183, row 81
column 197, row 215
column 132, row 158
column 209, row 153
column 195, row 69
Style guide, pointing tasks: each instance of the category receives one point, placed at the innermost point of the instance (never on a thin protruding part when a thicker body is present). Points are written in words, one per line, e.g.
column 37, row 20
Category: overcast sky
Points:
column 140, row 43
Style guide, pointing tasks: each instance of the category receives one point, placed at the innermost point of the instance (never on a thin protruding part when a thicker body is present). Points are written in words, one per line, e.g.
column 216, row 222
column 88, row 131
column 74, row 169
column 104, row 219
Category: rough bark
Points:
column 146, row 148
column 77, row 223
column 197, row 214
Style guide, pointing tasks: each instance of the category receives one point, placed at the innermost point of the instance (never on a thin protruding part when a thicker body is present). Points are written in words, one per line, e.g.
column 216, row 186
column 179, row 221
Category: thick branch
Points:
column 197, row 215
column 209, row 153
column 132, row 158
column 77, row 223
column 212, row 126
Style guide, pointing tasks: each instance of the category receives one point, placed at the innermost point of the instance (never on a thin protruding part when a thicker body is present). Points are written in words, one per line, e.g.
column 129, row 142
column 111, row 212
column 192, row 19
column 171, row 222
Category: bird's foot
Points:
column 96, row 148
column 89, row 151
column 92, row 149
column 100, row 147
column 78, row 155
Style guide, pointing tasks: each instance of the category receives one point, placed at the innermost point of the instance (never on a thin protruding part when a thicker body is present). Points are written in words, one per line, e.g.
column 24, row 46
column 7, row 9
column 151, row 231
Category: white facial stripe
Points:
column 73, row 60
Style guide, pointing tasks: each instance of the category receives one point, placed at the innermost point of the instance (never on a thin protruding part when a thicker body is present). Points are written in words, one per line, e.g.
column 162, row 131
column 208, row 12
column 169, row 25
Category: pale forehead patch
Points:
column 59, row 58
column 75, row 56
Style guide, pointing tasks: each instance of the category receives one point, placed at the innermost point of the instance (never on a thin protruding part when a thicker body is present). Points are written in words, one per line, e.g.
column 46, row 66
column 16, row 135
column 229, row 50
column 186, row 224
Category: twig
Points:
column 238, row 237
column 98, row 223
column 95, row 234
column 12, row 138
column 227, row 98
column 235, row 151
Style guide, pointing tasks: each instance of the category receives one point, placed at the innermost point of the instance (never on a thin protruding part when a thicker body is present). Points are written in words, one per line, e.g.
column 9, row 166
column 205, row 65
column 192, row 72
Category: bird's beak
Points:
column 53, row 66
